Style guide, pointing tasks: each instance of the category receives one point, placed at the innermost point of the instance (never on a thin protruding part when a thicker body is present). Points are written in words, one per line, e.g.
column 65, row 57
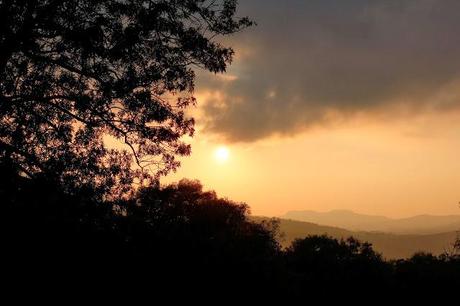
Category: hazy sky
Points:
column 336, row 105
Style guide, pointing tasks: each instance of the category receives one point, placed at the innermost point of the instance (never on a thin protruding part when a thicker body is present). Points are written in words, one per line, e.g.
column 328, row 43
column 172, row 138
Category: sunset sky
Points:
column 334, row 104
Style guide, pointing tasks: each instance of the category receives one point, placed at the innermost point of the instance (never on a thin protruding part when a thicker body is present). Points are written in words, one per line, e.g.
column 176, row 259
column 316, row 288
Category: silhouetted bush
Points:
column 424, row 273
column 319, row 263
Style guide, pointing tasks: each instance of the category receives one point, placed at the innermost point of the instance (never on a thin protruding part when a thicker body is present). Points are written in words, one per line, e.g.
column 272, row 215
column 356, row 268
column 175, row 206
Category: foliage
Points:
column 322, row 262
column 73, row 73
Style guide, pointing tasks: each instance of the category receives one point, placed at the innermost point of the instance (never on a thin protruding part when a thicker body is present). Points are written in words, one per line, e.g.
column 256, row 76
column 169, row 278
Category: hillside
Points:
column 422, row 224
column 392, row 246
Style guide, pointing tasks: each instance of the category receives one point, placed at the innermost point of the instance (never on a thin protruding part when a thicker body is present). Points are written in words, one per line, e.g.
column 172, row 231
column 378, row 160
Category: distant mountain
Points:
column 423, row 224
column 391, row 246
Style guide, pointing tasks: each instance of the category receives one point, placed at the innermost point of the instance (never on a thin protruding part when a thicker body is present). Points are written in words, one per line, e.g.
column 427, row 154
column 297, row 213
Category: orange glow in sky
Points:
column 395, row 168
column 318, row 112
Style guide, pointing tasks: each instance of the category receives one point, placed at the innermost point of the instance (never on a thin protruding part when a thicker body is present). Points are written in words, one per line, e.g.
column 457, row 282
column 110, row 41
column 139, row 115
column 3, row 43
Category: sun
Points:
column 221, row 154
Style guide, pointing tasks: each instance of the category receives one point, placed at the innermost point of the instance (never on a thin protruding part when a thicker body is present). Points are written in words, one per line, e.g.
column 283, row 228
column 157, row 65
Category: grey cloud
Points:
column 311, row 57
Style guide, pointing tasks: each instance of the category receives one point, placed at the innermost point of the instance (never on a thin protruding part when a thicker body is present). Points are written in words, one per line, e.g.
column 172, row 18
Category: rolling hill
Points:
column 422, row 224
column 391, row 246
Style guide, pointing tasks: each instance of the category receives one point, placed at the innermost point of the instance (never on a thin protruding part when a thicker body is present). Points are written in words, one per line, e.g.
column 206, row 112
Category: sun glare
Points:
column 221, row 154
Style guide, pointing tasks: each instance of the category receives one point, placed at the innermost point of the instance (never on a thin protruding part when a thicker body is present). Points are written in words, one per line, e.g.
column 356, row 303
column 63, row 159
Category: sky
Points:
column 334, row 104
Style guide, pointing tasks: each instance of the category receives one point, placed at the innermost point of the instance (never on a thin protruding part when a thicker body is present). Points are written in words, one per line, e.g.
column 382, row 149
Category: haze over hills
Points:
column 422, row 224
column 391, row 246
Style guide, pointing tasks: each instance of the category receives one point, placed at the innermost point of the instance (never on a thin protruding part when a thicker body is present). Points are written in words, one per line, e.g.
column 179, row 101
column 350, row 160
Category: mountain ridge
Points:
column 390, row 245
column 347, row 219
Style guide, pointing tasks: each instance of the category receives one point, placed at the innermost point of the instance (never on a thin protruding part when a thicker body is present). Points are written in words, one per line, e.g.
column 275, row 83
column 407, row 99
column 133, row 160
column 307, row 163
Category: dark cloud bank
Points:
column 306, row 59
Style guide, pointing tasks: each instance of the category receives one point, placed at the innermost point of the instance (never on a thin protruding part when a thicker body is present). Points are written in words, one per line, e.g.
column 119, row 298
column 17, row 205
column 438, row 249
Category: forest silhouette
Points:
column 76, row 214
column 179, row 238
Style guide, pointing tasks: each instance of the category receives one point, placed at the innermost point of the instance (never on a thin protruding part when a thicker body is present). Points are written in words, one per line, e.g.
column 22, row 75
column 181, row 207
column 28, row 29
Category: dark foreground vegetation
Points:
column 182, row 239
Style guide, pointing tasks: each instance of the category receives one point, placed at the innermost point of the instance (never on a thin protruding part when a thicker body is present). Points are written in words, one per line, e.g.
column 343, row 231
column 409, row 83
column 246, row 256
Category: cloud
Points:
column 309, row 61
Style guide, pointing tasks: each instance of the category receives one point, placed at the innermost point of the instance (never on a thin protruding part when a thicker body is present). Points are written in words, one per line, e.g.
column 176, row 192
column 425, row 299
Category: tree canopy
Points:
column 73, row 73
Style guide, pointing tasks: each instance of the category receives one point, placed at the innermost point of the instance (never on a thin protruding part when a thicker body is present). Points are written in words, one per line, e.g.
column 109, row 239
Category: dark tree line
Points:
column 184, row 241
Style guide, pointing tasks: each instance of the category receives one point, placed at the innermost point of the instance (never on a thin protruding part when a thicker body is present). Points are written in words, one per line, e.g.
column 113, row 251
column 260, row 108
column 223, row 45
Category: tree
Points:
column 319, row 263
column 184, row 218
column 176, row 238
column 74, row 72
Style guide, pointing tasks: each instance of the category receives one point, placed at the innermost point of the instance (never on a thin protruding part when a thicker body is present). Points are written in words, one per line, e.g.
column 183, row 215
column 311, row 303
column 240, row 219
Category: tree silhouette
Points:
column 73, row 72
column 177, row 238
column 319, row 263
column 193, row 232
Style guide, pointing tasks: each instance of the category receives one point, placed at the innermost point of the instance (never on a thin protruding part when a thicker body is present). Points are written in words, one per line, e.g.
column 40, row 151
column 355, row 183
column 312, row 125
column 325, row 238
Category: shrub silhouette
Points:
column 319, row 263
column 424, row 273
